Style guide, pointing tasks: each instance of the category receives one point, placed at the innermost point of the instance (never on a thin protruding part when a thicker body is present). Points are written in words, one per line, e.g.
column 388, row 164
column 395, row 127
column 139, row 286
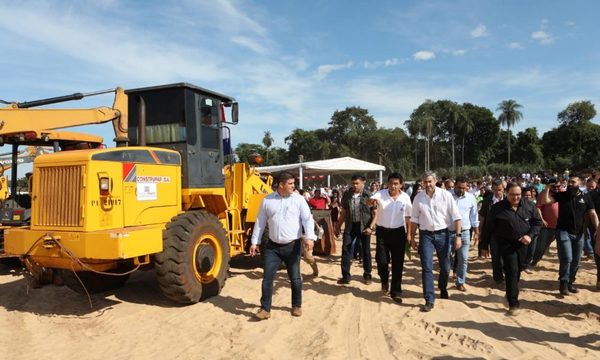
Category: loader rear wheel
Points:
column 93, row 282
column 195, row 258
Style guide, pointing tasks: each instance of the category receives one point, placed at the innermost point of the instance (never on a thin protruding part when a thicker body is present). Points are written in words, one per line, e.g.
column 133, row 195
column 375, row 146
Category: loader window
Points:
column 209, row 119
column 165, row 117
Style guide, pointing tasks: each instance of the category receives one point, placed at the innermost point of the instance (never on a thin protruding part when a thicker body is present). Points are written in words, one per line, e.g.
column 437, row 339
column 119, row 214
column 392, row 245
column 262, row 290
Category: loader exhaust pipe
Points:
column 141, row 121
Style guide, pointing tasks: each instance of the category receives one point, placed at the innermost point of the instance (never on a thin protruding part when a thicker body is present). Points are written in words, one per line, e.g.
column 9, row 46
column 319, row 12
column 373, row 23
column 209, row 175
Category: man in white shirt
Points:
column 433, row 211
column 467, row 206
column 392, row 217
column 286, row 213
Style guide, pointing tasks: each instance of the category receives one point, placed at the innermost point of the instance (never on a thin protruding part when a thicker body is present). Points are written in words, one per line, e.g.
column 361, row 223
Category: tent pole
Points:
column 301, row 177
column 329, row 181
column 380, row 177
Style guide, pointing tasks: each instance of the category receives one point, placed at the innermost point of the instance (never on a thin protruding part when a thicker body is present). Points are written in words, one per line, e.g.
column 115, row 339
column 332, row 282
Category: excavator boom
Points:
column 20, row 117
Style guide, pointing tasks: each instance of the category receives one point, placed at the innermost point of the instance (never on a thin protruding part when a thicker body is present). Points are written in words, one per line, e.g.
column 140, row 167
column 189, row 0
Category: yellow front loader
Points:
column 165, row 196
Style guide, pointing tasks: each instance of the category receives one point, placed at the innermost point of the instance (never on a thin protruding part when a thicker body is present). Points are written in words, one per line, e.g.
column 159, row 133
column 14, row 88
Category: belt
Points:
column 386, row 228
column 442, row 231
column 280, row 244
column 461, row 230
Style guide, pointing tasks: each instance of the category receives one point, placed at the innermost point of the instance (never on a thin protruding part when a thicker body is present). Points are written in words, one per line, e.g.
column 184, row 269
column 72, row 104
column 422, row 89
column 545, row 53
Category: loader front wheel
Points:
column 195, row 258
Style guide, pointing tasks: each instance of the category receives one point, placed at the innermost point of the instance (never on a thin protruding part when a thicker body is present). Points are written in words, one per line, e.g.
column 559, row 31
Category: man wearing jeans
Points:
column 286, row 213
column 573, row 205
column 467, row 206
column 360, row 224
column 433, row 211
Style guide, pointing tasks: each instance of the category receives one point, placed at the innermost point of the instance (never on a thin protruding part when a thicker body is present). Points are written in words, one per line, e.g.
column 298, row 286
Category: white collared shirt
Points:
column 285, row 217
column 467, row 207
column 436, row 212
column 390, row 211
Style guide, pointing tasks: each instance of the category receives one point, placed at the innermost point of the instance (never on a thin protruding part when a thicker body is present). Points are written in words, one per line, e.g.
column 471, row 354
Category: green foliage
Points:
column 528, row 147
column 465, row 134
column 577, row 113
column 509, row 116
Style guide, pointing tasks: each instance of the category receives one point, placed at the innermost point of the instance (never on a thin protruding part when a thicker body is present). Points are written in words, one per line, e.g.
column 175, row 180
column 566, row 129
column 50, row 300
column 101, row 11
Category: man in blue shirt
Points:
column 286, row 213
column 467, row 206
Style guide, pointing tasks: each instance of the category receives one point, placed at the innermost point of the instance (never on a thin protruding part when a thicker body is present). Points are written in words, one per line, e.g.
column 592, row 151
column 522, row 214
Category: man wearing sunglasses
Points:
column 573, row 205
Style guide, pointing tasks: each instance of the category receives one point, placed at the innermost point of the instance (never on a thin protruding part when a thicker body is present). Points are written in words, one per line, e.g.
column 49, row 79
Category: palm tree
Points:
column 454, row 119
column 267, row 142
column 509, row 116
column 465, row 127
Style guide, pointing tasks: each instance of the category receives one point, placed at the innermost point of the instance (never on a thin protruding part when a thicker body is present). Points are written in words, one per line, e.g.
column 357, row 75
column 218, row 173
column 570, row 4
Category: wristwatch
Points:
column 458, row 235
column 372, row 228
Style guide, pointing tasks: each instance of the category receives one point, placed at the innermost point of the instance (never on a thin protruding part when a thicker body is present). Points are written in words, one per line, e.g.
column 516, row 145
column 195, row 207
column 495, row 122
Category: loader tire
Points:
column 195, row 258
column 94, row 283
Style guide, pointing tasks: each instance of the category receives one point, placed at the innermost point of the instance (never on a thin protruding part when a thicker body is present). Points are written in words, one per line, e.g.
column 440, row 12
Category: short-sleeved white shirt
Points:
column 390, row 211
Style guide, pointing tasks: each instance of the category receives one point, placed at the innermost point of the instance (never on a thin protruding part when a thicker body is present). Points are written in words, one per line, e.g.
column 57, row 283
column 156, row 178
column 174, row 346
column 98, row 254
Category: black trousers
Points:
column 513, row 256
column 390, row 246
column 496, row 255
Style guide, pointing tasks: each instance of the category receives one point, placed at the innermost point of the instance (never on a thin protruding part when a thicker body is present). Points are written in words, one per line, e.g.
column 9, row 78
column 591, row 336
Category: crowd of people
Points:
column 513, row 220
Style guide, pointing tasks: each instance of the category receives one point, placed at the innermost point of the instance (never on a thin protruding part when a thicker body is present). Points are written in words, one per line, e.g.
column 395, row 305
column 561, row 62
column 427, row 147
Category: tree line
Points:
column 447, row 137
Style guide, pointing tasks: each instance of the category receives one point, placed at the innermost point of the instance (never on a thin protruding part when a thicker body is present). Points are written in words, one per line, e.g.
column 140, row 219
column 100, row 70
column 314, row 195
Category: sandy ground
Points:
column 354, row 321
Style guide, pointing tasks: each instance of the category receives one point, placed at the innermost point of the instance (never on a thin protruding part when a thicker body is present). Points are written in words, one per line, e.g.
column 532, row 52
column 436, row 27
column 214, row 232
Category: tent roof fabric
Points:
column 337, row 165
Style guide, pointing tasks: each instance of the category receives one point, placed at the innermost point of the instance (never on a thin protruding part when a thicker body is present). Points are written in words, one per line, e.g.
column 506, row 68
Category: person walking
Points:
column 393, row 215
column 467, row 206
column 496, row 196
column 549, row 215
column 512, row 223
column 360, row 223
column 285, row 213
column 573, row 205
column 432, row 212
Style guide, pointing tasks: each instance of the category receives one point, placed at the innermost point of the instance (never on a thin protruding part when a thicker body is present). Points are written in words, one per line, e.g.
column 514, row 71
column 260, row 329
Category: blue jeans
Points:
column 570, row 247
column 440, row 242
column 588, row 244
column 353, row 236
column 273, row 255
column 462, row 255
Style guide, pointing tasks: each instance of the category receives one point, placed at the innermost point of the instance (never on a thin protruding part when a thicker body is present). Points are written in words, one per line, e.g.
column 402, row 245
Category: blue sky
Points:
column 293, row 63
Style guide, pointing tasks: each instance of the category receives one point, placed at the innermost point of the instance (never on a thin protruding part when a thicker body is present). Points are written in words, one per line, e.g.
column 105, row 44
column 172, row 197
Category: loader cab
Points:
column 187, row 119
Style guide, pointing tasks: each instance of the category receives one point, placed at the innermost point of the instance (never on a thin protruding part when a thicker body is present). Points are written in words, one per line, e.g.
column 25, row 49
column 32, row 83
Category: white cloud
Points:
column 324, row 70
column 424, row 55
column 390, row 62
column 387, row 62
column 515, row 45
column 460, row 52
column 479, row 31
column 250, row 43
column 542, row 37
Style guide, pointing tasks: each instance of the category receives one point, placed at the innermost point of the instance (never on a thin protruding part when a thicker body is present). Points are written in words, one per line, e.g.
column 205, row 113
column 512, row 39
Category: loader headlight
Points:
column 104, row 186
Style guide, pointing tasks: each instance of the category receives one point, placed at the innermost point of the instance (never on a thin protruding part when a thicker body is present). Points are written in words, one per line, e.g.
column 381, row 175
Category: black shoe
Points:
column 513, row 311
column 343, row 281
column 397, row 298
column 443, row 294
column 564, row 288
column 385, row 287
column 427, row 307
column 368, row 279
column 572, row 289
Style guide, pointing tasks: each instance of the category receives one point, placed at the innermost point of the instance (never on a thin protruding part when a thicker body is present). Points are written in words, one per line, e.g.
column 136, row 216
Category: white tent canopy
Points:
column 341, row 165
